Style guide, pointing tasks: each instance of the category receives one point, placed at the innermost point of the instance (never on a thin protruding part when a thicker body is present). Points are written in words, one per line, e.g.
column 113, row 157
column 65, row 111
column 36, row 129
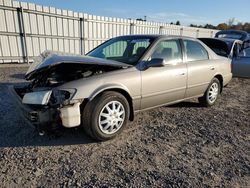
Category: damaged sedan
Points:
column 234, row 45
column 103, row 90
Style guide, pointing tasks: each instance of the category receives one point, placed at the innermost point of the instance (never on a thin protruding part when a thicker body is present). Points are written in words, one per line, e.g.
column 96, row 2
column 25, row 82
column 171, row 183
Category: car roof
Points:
column 157, row 36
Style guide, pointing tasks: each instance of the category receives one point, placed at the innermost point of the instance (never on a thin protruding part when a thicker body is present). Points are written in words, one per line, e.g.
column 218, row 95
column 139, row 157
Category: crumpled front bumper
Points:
column 36, row 116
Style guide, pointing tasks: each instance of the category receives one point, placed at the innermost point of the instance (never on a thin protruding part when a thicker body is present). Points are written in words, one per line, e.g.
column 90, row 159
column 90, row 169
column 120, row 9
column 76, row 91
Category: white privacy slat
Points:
column 5, row 45
column 71, row 28
column 30, row 46
column 26, row 19
column 60, row 44
column 1, row 47
column 54, row 45
column 77, row 49
column 42, row 44
column 53, row 23
column 71, row 46
column 47, row 25
column 19, row 47
column 10, row 21
column 49, row 44
column 40, row 24
column 65, row 27
column 66, row 45
column 13, row 46
column 36, row 47
column 16, row 22
column 33, row 23
column 76, row 28
column 59, row 27
column 3, row 26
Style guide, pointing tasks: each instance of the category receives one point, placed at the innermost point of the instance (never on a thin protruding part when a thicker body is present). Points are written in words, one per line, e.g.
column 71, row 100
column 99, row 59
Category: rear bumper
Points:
column 34, row 116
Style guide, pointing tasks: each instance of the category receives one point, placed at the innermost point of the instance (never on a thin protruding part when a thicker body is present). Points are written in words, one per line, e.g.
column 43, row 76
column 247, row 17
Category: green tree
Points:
column 222, row 26
column 178, row 23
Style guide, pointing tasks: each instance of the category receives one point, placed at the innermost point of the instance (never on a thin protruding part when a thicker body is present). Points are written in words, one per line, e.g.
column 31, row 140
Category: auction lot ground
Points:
column 183, row 145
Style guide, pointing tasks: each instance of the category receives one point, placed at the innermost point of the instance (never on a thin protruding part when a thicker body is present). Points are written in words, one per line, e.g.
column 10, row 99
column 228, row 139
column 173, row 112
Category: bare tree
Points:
column 231, row 21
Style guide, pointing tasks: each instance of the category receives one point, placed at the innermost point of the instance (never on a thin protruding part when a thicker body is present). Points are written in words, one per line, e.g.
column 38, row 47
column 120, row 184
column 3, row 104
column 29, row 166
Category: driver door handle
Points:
column 182, row 73
column 212, row 68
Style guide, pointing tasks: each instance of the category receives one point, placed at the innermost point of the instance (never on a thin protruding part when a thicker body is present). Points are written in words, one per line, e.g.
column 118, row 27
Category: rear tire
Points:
column 105, row 117
column 212, row 93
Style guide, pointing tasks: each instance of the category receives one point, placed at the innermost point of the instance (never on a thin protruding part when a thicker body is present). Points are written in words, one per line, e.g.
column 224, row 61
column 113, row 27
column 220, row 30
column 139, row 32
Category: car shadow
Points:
column 186, row 104
column 16, row 132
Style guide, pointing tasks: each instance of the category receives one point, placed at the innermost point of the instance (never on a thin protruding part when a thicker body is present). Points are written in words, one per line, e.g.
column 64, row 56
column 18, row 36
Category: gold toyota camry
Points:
column 103, row 90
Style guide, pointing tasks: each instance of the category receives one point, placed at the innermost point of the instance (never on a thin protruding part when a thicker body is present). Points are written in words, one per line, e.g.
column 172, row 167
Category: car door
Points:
column 200, row 69
column 241, row 64
column 162, row 85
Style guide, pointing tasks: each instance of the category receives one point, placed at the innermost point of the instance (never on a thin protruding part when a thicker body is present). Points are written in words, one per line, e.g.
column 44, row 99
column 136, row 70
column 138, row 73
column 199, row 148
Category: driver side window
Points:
column 169, row 50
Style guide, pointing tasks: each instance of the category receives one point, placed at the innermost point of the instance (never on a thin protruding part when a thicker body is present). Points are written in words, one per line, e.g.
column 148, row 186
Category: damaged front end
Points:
column 48, row 109
column 43, row 103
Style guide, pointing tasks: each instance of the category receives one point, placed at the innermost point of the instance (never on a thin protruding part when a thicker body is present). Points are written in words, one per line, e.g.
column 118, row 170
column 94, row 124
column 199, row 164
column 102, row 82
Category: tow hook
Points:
column 41, row 133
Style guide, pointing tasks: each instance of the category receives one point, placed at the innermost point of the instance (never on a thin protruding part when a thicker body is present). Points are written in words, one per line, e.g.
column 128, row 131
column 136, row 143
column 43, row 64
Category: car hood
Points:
column 38, row 68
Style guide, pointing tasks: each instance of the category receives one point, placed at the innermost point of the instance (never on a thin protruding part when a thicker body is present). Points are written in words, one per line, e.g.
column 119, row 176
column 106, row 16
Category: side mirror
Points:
column 157, row 62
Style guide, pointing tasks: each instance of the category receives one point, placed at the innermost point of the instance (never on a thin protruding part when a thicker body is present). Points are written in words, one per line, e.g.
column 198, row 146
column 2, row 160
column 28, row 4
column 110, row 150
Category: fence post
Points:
column 82, row 47
column 212, row 34
column 23, row 34
column 181, row 31
column 161, row 30
column 197, row 33
column 132, row 28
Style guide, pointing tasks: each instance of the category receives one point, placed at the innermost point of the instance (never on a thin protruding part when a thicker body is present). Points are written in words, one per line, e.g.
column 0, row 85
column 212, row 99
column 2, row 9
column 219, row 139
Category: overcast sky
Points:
column 186, row 11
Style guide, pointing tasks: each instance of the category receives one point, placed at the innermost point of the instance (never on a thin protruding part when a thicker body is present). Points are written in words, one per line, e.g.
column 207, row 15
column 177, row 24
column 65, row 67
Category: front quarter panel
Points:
column 128, row 80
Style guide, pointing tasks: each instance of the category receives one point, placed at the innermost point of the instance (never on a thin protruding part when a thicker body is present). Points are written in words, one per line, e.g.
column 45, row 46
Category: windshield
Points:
column 127, row 49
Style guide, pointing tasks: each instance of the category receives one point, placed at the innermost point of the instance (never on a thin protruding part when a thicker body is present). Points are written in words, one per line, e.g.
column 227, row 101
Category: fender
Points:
column 109, row 86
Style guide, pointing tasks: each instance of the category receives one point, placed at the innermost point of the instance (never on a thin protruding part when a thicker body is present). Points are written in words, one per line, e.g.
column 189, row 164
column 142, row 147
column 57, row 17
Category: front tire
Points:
column 105, row 116
column 212, row 93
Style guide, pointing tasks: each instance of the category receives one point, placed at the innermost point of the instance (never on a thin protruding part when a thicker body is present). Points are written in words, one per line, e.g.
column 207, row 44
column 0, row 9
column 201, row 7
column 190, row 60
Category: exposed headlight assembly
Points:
column 62, row 95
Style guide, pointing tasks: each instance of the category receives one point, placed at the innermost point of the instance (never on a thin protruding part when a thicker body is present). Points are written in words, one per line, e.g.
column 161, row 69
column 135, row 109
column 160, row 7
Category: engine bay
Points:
column 66, row 72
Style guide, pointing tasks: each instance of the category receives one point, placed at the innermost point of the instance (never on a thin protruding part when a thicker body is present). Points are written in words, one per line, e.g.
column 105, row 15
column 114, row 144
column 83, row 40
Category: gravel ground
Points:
column 183, row 145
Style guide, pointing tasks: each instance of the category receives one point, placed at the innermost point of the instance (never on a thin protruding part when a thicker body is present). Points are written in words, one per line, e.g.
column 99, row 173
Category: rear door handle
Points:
column 212, row 68
column 182, row 73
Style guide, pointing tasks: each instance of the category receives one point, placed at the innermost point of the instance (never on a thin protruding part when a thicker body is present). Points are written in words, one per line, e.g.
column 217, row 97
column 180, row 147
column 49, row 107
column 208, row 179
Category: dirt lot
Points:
column 184, row 145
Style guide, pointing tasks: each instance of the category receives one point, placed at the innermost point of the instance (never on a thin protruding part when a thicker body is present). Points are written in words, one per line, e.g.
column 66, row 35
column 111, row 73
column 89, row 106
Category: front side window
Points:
column 123, row 49
column 195, row 51
column 169, row 50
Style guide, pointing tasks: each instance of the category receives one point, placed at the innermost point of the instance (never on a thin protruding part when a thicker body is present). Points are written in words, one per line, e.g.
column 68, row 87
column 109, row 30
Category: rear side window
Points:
column 195, row 51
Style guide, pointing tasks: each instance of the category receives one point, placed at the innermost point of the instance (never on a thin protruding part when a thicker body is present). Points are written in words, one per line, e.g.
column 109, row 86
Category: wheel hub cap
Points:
column 111, row 117
column 213, row 92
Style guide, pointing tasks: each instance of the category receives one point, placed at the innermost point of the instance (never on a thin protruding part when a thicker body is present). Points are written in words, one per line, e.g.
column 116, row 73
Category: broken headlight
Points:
column 62, row 95
column 38, row 97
